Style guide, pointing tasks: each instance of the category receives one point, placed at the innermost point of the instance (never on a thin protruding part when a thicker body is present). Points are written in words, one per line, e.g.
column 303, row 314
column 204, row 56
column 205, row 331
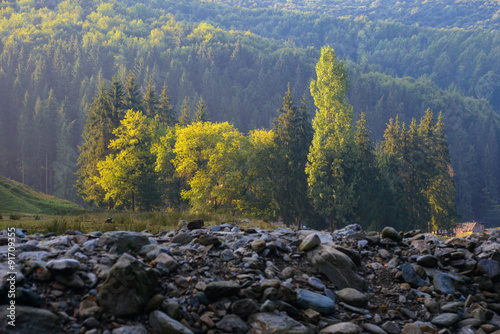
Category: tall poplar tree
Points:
column 331, row 165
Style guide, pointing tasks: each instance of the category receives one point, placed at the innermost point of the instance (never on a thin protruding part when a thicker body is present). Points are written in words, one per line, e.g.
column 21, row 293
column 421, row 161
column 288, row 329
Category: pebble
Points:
column 230, row 279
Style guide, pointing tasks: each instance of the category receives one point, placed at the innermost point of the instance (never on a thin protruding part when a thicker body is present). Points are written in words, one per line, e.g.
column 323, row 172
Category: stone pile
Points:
column 223, row 279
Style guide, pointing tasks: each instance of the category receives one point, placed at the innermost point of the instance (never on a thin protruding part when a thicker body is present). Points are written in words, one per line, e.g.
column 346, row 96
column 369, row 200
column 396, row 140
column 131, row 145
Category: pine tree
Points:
column 166, row 110
column 293, row 138
column 184, row 119
column 97, row 134
column 201, row 114
column 132, row 98
column 332, row 156
column 117, row 99
column 370, row 208
column 151, row 100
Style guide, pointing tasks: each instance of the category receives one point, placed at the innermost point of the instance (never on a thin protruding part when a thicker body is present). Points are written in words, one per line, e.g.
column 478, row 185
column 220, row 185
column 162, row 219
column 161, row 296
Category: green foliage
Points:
column 18, row 198
column 128, row 177
column 210, row 156
column 293, row 138
column 332, row 156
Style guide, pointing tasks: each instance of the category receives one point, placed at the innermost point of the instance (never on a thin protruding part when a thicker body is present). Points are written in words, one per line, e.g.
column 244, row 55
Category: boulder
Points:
column 123, row 241
column 128, row 287
column 337, row 267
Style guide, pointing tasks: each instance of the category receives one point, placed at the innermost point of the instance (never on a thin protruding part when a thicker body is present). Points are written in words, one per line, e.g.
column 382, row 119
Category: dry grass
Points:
column 96, row 221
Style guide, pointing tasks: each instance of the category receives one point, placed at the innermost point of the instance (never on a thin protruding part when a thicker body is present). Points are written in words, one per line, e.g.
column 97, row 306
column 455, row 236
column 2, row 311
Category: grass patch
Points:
column 153, row 222
column 18, row 198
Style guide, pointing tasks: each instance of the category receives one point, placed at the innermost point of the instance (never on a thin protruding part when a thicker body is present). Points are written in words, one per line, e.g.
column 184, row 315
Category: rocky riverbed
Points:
column 230, row 279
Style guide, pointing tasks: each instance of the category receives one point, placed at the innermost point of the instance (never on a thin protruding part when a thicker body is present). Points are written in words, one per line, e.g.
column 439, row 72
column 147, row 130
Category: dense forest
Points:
column 57, row 57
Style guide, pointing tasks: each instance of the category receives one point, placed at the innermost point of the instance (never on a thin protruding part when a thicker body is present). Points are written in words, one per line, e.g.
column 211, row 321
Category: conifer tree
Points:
column 331, row 166
column 97, row 134
column 166, row 110
column 293, row 138
column 201, row 114
column 132, row 98
column 370, row 209
column 150, row 100
column 184, row 119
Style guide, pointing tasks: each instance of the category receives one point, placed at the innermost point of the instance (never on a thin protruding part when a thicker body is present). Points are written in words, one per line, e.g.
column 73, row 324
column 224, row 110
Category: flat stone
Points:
column 123, row 241
column 275, row 323
column 342, row 328
column 446, row 319
column 208, row 239
column 353, row 297
column 29, row 320
column 411, row 329
column 162, row 323
column 219, row 289
column 310, row 300
column 231, row 323
column 373, row 329
column 137, row 329
column 182, row 238
column 428, row 260
column 490, row 268
column 63, row 266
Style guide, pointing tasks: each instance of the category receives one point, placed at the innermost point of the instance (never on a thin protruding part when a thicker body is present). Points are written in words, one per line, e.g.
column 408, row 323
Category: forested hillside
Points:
column 469, row 14
column 55, row 55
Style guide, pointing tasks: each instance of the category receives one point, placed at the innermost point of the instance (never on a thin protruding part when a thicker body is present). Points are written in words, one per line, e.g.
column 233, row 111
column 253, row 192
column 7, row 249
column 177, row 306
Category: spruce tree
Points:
column 293, row 138
column 97, row 134
column 201, row 114
column 184, row 119
column 166, row 112
column 150, row 100
column 132, row 98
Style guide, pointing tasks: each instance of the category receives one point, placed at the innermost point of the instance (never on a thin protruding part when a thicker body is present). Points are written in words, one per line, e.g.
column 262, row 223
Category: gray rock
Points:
column 169, row 262
column 337, row 267
column 490, row 268
column 316, row 283
column 128, row 287
column 123, row 241
column 444, row 284
column 258, row 245
column 353, row 297
column 216, row 290
column 195, row 224
column 231, row 323
column 342, row 328
column 309, row 242
column 390, row 233
column 208, row 239
column 137, row 329
column 411, row 277
column 275, row 323
column 163, row 324
column 182, row 238
column 373, row 329
column 391, row 327
column 307, row 299
column 428, row 260
column 29, row 320
column 446, row 319
column 63, row 266
column 244, row 307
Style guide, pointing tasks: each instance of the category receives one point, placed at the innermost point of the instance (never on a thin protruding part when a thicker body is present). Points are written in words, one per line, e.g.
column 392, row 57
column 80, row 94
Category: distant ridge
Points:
column 16, row 197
